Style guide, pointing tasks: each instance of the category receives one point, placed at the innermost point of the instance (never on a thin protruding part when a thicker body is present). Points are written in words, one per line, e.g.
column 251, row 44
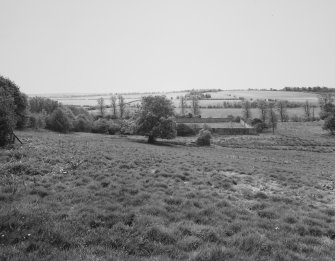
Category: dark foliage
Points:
column 185, row 130
column 154, row 119
column 59, row 121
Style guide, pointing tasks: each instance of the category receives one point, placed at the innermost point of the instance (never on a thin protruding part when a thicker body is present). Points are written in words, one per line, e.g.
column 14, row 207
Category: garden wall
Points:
column 234, row 131
column 202, row 120
column 245, row 130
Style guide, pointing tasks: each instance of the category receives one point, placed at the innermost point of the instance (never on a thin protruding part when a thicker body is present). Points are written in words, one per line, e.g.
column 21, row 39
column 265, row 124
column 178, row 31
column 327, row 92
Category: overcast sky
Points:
column 134, row 46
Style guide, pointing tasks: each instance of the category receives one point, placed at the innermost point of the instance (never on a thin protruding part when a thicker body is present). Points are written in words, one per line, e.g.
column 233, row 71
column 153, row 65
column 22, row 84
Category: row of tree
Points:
column 317, row 89
column 117, row 104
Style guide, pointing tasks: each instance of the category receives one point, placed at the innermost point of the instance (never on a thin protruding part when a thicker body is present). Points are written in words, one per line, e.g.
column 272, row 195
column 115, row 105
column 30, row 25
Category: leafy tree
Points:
column 326, row 102
column 122, row 106
column 114, row 106
column 9, row 90
column 7, row 117
column 183, row 105
column 262, row 106
column 82, row 123
column 59, row 121
column 281, row 107
column 273, row 119
column 101, row 106
column 204, row 138
column 40, row 104
column 329, row 124
column 307, row 110
column 154, row 119
column 195, row 105
column 246, row 110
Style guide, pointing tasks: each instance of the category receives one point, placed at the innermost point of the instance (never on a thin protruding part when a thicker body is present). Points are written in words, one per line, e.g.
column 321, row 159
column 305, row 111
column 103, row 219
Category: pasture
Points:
column 97, row 197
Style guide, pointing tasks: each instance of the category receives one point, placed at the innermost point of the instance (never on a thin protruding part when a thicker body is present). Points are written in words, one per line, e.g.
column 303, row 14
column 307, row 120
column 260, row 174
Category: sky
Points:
column 107, row 46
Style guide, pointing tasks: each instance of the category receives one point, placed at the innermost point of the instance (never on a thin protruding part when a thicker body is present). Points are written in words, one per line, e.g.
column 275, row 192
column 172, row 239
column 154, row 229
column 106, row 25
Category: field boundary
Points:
column 246, row 129
column 202, row 120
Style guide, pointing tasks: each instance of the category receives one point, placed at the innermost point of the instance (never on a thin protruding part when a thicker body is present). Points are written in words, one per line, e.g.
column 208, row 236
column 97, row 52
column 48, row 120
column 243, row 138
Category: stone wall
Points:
column 234, row 131
column 245, row 124
column 202, row 120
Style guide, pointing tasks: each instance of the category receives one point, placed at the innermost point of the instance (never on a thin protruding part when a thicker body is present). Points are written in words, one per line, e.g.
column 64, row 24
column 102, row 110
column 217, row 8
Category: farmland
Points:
column 217, row 101
column 98, row 197
column 91, row 100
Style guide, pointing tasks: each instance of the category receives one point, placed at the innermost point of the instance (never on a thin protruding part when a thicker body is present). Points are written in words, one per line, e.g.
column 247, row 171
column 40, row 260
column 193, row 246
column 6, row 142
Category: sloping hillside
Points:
column 97, row 197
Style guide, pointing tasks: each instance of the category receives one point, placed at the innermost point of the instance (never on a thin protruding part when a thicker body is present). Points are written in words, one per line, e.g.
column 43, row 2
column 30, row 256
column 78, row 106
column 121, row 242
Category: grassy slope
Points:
column 96, row 197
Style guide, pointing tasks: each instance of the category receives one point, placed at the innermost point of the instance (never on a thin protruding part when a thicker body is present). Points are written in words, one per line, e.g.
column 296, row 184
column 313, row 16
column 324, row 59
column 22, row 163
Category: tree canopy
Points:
column 155, row 118
column 13, row 105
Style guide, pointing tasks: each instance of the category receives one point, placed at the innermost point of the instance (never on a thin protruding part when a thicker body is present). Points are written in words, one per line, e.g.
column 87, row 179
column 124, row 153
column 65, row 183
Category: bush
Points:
column 82, row 123
column 100, row 126
column 128, row 127
column 207, row 127
column 329, row 124
column 258, row 124
column 114, row 128
column 59, row 121
column 185, row 130
column 204, row 138
column 104, row 126
column 36, row 121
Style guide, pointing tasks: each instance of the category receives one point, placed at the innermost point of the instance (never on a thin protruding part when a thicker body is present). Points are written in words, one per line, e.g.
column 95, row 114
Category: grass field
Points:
column 97, row 197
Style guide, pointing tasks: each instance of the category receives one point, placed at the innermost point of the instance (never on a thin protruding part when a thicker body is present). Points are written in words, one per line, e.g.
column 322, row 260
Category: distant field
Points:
column 279, row 95
column 222, row 113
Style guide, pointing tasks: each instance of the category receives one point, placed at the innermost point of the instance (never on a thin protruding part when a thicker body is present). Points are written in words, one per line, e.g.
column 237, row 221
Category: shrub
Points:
column 258, row 124
column 185, row 130
column 329, row 124
column 36, row 121
column 105, row 126
column 82, row 123
column 100, row 126
column 113, row 128
column 128, row 127
column 204, row 138
column 59, row 121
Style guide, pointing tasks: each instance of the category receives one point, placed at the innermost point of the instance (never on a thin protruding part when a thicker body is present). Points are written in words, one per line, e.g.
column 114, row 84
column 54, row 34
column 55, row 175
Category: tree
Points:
column 183, row 105
column 282, row 110
column 246, row 110
column 329, row 124
column 326, row 102
column 9, row 90
column 154, row 118
column 307, row 110
column 59, row 121
column 7, row 117
column 195, row 105
column 262, row 106
column 273, row 119
column 114, row 106
column 39, row 104
column 327, row 113
column 101, row 106
column 122, row 106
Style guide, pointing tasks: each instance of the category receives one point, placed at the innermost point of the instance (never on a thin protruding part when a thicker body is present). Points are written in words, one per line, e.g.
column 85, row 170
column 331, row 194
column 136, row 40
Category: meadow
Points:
column 97, row 197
